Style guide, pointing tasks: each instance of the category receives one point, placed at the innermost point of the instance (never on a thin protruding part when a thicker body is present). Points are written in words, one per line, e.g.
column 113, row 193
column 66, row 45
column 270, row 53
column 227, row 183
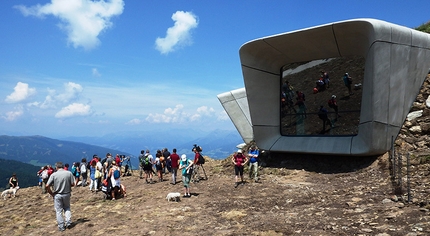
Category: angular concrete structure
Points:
column 397, row 59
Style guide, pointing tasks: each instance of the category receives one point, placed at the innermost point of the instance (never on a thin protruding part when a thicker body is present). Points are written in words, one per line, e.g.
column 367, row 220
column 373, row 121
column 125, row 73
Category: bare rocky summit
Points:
column 318, row 196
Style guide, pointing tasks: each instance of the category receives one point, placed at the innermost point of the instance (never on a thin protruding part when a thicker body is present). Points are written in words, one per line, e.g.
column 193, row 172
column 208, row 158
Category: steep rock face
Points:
column 413, row 136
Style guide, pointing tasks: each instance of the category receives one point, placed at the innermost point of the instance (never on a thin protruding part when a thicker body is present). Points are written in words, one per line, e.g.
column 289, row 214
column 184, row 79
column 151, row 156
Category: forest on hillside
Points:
column 26, row 173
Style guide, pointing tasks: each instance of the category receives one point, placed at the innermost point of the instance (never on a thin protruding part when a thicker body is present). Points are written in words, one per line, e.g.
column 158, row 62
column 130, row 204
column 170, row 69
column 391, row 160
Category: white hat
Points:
column 333, row 96
column 184, row 157
column 239, row 151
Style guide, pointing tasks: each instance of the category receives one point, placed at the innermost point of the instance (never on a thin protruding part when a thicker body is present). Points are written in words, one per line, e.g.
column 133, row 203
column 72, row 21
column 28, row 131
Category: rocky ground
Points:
column 301, row 196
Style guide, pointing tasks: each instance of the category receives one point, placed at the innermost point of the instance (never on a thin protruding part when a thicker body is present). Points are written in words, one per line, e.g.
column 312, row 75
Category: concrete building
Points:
column 397, row 59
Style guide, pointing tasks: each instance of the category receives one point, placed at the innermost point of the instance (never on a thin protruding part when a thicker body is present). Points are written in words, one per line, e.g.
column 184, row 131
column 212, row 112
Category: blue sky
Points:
column 89, row 68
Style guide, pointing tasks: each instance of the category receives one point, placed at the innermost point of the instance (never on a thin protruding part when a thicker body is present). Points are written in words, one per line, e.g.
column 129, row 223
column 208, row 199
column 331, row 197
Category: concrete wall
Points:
column 397, row 61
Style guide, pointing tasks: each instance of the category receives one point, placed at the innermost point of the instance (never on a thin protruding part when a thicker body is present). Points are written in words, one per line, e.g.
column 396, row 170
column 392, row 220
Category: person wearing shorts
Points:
column 239, row 160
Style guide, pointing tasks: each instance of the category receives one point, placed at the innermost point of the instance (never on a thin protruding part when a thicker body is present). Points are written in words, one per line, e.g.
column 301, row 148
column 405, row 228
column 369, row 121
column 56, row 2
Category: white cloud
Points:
column 75, row 109
column 134, row 122
column 83, row 20
column 96, row 72
column 71, row 92
column 20, row 93
column 204, row 110
column 170, row 115
column 13, row 115
column 179, row 34
column 178, row 115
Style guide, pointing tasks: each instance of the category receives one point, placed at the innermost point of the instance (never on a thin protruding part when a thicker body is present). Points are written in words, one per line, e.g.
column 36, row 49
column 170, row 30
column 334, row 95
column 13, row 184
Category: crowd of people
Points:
column 105, row 175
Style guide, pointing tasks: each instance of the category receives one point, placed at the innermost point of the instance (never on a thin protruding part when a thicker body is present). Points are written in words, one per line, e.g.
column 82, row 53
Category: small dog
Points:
column 173, row 196
column 11, row 192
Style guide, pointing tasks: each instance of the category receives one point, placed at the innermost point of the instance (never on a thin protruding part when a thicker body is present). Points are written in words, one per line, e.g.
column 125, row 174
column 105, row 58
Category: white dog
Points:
column 11, row 192
column 173, row 196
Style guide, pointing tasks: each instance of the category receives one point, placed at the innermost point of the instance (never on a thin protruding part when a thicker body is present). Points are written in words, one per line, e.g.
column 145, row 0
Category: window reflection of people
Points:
column 322, row 114
column 347, row 80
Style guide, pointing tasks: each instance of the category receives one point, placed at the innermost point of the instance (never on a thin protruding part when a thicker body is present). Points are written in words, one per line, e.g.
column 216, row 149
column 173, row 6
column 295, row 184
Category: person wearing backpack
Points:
column 159, row 165
column 76, row 172
column 83, row 171
column 147, row 167
column 114, row 176
column 141, row 163
column 186, row 165
column 199, row 160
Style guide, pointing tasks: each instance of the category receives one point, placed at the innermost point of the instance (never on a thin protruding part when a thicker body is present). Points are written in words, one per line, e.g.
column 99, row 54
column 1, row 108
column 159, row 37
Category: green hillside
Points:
column 26, row 173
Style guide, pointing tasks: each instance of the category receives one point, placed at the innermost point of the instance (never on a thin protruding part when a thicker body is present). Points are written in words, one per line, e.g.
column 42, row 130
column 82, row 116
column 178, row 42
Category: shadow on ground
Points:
column 317, row 163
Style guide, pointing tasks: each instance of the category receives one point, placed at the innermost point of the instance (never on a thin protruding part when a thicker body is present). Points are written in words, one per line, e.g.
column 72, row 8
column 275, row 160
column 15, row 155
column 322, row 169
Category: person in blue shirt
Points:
column 186, row 165
column 253, row 162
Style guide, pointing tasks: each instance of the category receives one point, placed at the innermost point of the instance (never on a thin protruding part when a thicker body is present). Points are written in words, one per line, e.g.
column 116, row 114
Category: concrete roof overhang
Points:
column 397, row 61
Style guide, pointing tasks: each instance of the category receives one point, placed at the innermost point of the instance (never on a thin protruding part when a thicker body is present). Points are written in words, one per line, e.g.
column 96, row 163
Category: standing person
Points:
column 84, row 171
column 253, row 162
column 114, row 176
column 166, row 155
column 198, row 164
column 118, row 160
column 141, row 163
column 62, row 182
column 44, row 176
column 174, row 159
column 347, row 80
column 13, row 181
column 332, row 103
column 239, row 160
column 93, row 180
column 99, row 168
column 76, row 172
column 159, row 165
column 322, row 114
column 147, row 167
column 301, row 103
column 186, row 165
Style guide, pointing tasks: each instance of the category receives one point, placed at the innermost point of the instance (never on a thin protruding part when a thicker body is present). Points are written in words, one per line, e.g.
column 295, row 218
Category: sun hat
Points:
column 184, row 157
column 239, row 151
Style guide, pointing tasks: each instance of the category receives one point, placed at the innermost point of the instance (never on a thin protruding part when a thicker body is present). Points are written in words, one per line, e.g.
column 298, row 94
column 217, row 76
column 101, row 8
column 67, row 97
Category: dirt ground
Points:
column 302, row 196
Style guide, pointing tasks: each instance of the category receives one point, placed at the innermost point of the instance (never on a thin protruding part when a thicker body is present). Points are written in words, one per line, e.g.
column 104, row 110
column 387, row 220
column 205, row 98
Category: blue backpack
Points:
column 116, row 174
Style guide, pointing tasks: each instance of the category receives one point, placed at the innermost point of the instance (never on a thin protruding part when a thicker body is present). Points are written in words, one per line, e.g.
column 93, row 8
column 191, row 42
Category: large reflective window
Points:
column 322, row 97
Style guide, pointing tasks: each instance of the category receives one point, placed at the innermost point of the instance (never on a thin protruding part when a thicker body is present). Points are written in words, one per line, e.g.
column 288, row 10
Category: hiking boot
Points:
column 236, row 184
column 243, row 183
column 61, row 229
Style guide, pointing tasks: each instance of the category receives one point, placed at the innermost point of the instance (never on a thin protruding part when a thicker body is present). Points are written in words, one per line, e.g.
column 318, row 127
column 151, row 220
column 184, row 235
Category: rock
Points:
column 428, row 102
column 415, row 114
column 415, row 129
column 386, row 201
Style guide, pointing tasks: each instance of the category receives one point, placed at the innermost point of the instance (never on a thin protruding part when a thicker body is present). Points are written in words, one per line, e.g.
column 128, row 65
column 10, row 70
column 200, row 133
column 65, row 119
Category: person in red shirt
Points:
column 174, row 158
column 239, row 160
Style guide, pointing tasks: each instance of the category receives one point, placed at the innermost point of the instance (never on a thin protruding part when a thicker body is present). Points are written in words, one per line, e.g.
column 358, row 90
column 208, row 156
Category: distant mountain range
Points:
column 217, row 144
column 39, row 150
